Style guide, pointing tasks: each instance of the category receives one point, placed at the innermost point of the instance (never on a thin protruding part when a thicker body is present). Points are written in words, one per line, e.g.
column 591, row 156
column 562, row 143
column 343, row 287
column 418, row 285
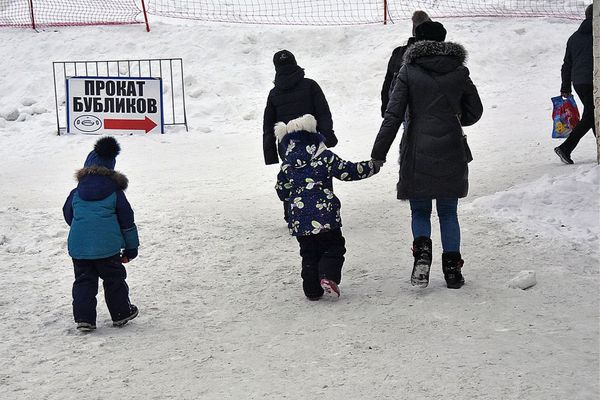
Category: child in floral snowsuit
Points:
column 305, row 181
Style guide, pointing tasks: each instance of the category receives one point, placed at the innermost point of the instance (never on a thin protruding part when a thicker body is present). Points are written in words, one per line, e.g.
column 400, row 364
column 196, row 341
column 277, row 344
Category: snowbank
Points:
column 564, row 207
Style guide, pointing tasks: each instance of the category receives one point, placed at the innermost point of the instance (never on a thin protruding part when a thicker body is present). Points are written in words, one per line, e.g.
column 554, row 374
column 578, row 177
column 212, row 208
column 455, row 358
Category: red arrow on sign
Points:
column 145, row 124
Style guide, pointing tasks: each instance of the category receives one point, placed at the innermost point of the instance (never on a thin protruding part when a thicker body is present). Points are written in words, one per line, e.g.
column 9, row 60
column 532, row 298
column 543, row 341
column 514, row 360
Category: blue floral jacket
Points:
column 305, row 179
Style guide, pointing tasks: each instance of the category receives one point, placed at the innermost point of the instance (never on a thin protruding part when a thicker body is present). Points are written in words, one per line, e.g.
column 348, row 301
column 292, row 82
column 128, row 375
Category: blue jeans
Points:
column 449, row 227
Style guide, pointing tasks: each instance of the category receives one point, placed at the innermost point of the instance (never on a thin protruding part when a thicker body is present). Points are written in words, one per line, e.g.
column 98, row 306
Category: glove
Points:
column 128, row 255
column 377, row 164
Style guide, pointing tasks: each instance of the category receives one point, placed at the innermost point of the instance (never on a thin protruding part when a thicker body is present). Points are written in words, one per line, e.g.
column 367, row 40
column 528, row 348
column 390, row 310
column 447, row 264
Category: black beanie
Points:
column 283, row 57
column 589, row 12
column 430, row 30
column 418, row 18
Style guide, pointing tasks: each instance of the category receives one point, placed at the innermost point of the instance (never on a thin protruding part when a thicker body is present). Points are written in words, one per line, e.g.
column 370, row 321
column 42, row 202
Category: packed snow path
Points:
column 222, row 315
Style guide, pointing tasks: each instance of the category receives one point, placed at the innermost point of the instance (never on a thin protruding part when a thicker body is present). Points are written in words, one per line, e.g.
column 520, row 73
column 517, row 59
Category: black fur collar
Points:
column 428, row 48
column 118, row 177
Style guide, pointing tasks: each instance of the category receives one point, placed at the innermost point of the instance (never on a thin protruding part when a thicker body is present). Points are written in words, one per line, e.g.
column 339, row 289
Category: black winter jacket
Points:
column 394, row 65
column 292, row 97
column 578, row 65
column 434, row 92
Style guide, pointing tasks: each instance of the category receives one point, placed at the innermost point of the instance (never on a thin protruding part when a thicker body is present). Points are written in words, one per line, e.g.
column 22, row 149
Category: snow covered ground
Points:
column 222, row 315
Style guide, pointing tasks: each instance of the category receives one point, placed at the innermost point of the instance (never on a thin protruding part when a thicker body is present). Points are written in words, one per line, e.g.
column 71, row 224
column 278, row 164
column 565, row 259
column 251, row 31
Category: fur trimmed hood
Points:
column 428, row 48
column 300, row 139
column 306, row 123
column 121, row 180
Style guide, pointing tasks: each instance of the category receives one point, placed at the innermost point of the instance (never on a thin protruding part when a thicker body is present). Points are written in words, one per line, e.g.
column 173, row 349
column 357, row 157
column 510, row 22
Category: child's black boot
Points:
column 86, row 326
column 451, row 265
column 133, row 312
column 422, row 254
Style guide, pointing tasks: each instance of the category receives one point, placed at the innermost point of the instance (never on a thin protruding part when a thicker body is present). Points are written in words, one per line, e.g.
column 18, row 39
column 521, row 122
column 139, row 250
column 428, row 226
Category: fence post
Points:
column 31, row 13
column 385, row 12
column 596, row 30
column 145, row 16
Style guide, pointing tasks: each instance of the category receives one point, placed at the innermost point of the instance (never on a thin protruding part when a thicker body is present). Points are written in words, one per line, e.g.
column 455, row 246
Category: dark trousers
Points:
column 286, row 211
column 587, row 122
column 286, row 204
column 322, row 257
column 85, row 288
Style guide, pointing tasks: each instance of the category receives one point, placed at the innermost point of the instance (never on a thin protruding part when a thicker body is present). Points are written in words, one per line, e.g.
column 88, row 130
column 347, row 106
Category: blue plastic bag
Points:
column 565, row 116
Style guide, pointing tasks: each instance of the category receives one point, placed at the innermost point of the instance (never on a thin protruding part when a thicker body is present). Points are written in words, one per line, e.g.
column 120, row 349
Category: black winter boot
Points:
column 422, row 254
column 451, row 265
column 564, row 157
column 133, row 312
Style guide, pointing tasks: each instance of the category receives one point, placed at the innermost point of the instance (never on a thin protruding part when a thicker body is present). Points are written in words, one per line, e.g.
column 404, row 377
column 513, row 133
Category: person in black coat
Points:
column 578, row 68
column 435, row 94
column 397, row 58
column 292, row 97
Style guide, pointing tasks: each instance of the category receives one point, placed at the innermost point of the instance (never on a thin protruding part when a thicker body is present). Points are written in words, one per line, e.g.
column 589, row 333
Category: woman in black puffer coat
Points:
column 434, row 94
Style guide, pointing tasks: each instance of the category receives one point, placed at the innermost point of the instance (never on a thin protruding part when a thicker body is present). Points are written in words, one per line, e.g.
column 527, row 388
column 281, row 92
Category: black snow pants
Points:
column 322, row 257
column 587, row 122
column 85, row 288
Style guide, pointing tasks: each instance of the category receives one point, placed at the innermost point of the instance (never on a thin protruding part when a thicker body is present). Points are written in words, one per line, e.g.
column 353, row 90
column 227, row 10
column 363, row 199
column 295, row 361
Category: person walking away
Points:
column 292, row 97
column 102, row 237
column 578, row 69
column 397, row 59
column 433, row 89
column 305, row 183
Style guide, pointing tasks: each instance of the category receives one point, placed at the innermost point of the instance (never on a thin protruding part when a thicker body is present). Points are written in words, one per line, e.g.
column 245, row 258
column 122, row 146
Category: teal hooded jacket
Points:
column 101, row 219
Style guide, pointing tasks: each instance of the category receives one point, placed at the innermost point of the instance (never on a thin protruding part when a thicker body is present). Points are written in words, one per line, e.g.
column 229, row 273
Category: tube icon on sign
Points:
column 88, row 123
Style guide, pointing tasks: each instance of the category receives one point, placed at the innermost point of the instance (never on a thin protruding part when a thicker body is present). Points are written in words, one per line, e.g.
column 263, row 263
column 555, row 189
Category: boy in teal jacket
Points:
column 103, row 236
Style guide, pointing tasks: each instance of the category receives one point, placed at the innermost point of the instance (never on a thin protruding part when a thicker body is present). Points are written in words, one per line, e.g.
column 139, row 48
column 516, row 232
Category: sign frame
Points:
column 170, row 70
column 68, row 97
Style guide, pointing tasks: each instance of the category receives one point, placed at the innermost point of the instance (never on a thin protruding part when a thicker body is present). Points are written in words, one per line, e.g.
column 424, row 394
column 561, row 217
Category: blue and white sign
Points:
column 98, row 105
